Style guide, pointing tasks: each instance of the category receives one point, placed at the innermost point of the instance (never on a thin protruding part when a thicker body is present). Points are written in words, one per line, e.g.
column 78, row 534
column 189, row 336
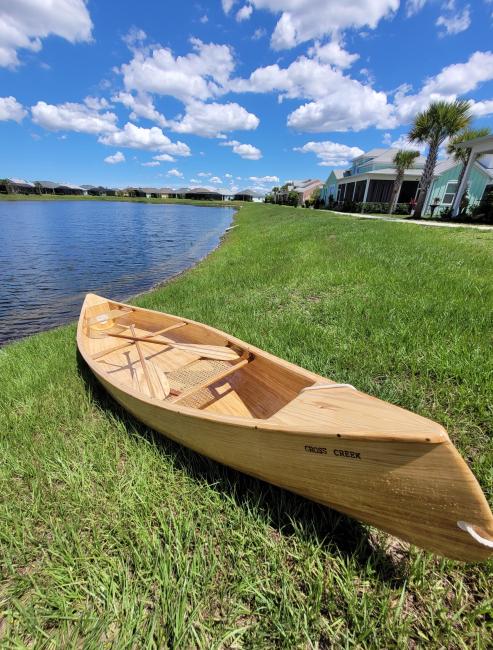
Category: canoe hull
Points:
column 417, row 492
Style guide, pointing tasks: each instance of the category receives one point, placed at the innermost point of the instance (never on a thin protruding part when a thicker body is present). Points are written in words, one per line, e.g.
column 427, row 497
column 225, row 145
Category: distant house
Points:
column 134, row 192
column 203, row 194
column 17, row 186
column 304, row 189
column 370, row 179
column 46, row 187
column 329, row 188
column 178, row 193
column 249, row 195
column 69, row 189
column 152, row 192
column 444, row 187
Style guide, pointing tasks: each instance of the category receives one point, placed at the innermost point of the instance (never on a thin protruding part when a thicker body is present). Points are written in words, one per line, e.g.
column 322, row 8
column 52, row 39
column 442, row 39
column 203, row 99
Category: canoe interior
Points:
column 258, row 389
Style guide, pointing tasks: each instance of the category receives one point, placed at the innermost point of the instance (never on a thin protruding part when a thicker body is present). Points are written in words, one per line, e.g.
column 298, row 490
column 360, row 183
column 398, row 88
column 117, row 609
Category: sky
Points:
column 226, row 93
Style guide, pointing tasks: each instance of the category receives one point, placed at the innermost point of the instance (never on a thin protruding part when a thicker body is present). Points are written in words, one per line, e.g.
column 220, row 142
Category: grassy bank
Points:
column 112, row 536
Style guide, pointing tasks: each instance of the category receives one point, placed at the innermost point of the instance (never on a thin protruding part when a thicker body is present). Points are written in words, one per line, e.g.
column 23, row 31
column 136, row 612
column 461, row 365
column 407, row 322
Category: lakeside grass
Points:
column 113, row 536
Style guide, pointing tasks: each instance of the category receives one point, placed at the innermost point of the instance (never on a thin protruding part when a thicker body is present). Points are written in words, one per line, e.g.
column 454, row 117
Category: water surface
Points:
column 53, row 253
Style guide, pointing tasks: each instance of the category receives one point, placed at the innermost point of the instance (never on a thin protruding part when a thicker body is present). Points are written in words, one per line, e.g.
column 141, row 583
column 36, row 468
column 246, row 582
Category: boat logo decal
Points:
column 315, row 450
column 347, row 454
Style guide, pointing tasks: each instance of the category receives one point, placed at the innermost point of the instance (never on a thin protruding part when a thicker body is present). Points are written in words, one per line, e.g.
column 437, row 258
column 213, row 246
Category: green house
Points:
column 444, row 187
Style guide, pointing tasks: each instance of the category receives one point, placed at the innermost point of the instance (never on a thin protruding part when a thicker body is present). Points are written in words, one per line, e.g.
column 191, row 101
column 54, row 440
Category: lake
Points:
column 52, row 253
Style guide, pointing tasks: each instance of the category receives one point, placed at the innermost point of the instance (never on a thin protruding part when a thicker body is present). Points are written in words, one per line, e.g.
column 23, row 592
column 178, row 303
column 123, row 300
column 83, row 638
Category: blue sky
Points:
column 227, row 93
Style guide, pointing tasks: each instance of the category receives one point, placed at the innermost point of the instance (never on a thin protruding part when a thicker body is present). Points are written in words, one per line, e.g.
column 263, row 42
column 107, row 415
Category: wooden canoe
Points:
column 266, row 417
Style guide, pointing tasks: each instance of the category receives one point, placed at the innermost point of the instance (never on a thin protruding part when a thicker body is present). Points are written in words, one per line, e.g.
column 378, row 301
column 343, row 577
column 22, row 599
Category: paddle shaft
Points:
column 143, row 363
column 212, row 352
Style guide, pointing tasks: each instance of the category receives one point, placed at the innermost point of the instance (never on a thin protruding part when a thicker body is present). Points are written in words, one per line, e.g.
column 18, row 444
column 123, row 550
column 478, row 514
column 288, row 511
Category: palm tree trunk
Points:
column 461, row 175
column 396, row 190
column 426, row 179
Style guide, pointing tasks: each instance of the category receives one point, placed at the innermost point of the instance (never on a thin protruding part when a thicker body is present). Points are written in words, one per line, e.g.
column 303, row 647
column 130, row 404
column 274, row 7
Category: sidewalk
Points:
column 418, row 222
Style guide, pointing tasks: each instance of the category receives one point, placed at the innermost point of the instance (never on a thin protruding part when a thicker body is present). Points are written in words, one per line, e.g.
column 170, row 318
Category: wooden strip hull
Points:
column 417, row 491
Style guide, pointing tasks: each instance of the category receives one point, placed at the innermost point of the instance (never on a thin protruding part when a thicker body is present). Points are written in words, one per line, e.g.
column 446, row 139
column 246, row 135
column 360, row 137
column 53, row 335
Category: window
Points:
column 450, row 191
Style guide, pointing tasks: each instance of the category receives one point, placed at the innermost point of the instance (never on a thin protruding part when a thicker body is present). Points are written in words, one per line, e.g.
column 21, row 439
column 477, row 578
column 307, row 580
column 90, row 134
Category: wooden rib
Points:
column 143, row 362
column 103, row 353
column 219, row 352
column 213, row 380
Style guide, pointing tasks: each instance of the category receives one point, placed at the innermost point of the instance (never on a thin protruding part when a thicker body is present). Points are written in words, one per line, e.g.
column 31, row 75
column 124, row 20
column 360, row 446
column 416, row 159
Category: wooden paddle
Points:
column 218, row 352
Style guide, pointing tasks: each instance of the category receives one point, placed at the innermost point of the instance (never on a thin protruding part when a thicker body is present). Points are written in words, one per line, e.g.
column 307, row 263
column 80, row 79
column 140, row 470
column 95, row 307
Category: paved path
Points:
column 418, row 222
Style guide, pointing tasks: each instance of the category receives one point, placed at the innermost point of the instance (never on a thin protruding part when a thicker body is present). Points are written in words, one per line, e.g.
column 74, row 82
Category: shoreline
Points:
column 159, row 285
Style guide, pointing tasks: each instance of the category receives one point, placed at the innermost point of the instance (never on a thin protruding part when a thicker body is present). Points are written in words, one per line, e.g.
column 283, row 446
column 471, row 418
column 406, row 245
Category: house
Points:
column 46, row 187
column 304, row 190
column 69, row 189
column 178, row 193
column 370, row 179
column 133, row 192
column 203, row 194
column 17, row 186
column 329, row 188
column 249, row 195
column 443, row 189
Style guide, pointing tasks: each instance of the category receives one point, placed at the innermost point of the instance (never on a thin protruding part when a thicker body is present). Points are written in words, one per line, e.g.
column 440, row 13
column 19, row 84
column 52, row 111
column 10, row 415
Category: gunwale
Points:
column 437, row 436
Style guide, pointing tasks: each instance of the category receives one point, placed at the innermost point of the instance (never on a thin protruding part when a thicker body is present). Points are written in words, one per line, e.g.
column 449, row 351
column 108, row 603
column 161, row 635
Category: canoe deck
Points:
column 264, row 416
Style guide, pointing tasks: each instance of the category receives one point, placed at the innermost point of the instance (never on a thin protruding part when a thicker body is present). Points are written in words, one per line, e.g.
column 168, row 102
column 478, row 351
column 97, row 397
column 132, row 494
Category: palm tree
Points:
column 402, row 160
column 462, row 154
column 439, row 121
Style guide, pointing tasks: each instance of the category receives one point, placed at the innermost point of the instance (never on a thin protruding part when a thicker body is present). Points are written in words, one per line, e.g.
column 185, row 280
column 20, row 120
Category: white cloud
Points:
column 204, row 19
column 402, row 142
column 23, row 23
column 141, row 106
column 116, row 158
column 452, row 81
column 333, row 53
column 204, row 174
column 134, row 37
column 331, row 154
column 246, row 151
column 164, row 157
column 228, row 175
column 175, row 172
column 414, row 6
column 483, row 108
column 244, row 13
column 11, row 109
column 138, row 137
column 215, row 179
column 74, row 117
column 454, row 23
column 303, row 20
column 264, row 179
column 259, row 33
column 211, row 120
column 201, row 74
column 387, row 139
column 150, row 163
column 339, row 102
column 227, row 5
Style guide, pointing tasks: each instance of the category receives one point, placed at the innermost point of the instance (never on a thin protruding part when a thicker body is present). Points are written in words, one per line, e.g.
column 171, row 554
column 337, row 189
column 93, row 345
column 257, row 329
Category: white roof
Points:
column 21, row 181
column 386, row 156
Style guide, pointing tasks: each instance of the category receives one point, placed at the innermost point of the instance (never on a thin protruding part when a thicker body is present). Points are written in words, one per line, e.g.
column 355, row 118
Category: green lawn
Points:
column 112, row 536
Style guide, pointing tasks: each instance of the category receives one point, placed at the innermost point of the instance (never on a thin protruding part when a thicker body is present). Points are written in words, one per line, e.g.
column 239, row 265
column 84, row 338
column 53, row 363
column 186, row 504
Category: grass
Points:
column 112, row 536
